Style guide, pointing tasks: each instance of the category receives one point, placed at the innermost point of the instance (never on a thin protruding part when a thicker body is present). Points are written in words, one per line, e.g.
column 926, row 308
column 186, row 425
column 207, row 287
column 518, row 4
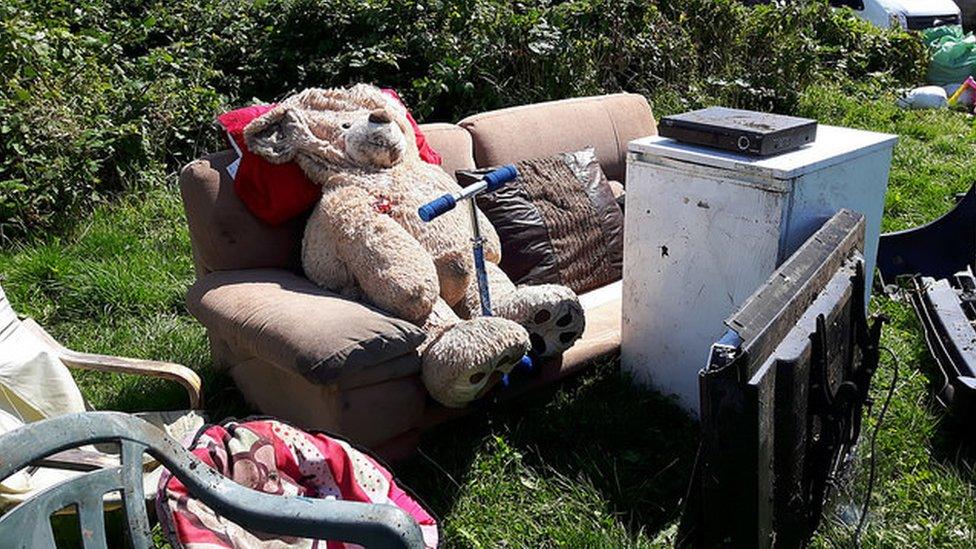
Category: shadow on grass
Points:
column 953, row 445
column 635, row 447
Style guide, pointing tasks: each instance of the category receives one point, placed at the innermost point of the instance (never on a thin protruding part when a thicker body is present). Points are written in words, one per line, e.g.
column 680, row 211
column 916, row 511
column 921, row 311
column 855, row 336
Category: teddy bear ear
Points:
column 275, row 134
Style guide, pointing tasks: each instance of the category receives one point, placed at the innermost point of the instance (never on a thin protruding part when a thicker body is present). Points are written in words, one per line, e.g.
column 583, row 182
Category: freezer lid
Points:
column 834, row 145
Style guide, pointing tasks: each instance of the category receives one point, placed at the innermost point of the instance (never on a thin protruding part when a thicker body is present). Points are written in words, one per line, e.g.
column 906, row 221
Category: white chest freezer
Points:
column 704, row 228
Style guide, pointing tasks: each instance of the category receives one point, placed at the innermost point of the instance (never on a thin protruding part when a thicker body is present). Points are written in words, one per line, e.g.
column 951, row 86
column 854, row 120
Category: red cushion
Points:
column 276, row 193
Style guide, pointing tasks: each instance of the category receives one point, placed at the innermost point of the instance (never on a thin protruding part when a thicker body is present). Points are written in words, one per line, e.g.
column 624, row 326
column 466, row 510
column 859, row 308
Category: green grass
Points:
column 593, row 463
column 115, row 284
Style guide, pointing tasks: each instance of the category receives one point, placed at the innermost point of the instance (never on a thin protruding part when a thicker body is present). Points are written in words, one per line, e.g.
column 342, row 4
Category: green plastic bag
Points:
column 953, row 54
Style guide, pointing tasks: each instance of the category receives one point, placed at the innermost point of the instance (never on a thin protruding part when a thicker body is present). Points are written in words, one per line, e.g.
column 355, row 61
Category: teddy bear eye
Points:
column 346, row 125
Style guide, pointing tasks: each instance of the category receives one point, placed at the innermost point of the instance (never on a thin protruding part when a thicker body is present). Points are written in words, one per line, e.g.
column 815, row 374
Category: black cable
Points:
column 874, row 437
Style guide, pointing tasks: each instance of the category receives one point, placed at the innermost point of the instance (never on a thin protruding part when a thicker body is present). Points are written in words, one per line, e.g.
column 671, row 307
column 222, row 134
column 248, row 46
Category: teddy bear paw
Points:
column 471, row 357
column 551, row 313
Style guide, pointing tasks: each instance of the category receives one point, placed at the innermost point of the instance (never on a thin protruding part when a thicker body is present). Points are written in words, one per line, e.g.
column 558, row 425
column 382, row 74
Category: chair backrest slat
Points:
column 133, row 496
column 42, row 535
column 91, row 519
column 84, row 491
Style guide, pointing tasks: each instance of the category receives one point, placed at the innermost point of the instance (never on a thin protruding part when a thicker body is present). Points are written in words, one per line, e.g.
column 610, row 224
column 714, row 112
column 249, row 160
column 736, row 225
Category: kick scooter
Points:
column 491, row 182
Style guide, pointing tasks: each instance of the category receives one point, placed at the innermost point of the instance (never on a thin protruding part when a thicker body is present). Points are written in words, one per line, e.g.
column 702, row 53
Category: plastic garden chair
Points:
column 29, row 525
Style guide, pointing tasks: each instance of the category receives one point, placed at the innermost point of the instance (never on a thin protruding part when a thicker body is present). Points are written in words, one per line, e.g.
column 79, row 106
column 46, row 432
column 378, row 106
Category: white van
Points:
column 907, row 14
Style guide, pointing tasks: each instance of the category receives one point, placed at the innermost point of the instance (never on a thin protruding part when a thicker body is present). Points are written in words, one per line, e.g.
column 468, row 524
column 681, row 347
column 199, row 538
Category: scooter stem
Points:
column 478, row 247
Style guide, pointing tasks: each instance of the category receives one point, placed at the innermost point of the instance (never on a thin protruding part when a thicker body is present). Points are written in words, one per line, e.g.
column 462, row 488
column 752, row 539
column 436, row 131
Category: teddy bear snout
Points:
column 380, row 116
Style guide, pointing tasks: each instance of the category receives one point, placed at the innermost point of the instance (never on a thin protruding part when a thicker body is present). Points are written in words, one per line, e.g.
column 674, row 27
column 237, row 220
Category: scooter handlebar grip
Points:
column 498, row 178
column 431, row 210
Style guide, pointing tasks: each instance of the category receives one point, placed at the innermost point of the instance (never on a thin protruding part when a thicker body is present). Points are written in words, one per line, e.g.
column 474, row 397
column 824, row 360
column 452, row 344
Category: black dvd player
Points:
column 747, row 132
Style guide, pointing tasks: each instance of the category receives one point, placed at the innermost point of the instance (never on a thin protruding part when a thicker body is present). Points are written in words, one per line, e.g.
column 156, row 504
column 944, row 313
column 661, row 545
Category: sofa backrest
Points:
column 225, row 236
column 606, row 123
column 453, row 143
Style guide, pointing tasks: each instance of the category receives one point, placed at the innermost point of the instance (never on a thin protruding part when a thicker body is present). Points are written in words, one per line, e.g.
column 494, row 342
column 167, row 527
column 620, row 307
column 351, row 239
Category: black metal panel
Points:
column 937, row 260
column 781, row 408
column 951, row 339
column 938, row 249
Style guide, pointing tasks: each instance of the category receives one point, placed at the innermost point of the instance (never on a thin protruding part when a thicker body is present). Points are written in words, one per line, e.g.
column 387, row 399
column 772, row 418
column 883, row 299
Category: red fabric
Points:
column 276, row 193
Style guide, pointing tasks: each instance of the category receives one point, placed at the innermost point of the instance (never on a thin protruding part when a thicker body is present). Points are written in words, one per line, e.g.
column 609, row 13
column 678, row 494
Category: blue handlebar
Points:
column 492, row 181
column 499, row 177
column 436, row 207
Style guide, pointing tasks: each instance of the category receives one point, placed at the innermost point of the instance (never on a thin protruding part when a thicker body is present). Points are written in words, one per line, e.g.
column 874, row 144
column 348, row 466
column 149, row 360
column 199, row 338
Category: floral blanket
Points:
column 276, row 458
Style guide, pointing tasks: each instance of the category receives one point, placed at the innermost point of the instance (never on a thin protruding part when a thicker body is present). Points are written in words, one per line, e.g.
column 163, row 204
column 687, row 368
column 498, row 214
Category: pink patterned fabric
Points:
column 276, row 458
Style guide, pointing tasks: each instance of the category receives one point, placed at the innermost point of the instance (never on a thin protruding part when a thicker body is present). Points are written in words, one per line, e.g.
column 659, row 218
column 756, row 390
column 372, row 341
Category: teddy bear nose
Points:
column 379, row 116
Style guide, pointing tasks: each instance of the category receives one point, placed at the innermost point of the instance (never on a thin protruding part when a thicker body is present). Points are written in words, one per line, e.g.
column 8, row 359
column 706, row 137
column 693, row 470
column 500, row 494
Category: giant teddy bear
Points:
column 365, row 240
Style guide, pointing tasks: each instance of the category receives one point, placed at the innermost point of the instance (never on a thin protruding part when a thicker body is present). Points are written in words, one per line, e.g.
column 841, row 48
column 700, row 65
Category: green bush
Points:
column 99, row 96
column 81, row 117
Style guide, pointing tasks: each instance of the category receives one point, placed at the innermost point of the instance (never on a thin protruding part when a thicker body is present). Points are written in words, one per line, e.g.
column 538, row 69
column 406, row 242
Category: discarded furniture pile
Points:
column 743, row 291
column 321, row 361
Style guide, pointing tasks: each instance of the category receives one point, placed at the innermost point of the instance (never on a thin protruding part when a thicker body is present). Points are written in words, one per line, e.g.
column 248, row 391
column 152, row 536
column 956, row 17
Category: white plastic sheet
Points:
column 34, row 383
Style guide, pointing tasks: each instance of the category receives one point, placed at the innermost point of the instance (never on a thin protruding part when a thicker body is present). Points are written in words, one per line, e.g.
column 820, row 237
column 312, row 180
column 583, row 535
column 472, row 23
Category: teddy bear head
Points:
column 334, row 130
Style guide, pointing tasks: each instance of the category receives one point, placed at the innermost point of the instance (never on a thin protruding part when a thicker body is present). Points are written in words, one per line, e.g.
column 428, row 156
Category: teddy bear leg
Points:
column 321, row 261
column 441, row 318
column 468, row 358
column 551, row 313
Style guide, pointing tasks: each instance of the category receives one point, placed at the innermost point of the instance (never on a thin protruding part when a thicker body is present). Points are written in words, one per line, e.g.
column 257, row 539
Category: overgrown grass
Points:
column 116, row 285
column 594, row 463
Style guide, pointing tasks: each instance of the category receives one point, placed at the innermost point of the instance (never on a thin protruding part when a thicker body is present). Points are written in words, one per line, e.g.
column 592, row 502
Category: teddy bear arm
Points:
column 321, row 261
column 391, row 267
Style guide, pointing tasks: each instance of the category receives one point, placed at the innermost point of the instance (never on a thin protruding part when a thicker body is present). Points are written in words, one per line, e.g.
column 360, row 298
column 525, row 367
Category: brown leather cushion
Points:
column 453, row 143
column 606, row 123
column 223, row 233
column 558, row 222
column 619, row 194
column 283, row 318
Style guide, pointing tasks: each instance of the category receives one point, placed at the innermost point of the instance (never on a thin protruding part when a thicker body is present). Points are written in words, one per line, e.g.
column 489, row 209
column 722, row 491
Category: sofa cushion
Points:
column 453, row 143
column 558, row 222
column 283, row 318
column 223, row 233
column 606, row 123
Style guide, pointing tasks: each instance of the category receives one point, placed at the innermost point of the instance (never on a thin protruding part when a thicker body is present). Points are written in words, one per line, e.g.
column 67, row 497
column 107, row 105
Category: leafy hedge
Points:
column 106, row 95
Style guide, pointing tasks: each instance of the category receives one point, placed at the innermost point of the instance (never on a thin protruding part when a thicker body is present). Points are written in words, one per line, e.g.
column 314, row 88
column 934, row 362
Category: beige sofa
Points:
column 307, row 356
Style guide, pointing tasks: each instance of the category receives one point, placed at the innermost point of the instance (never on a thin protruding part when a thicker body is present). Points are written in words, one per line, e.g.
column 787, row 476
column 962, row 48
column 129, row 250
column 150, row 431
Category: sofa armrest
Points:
column 285, row 319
